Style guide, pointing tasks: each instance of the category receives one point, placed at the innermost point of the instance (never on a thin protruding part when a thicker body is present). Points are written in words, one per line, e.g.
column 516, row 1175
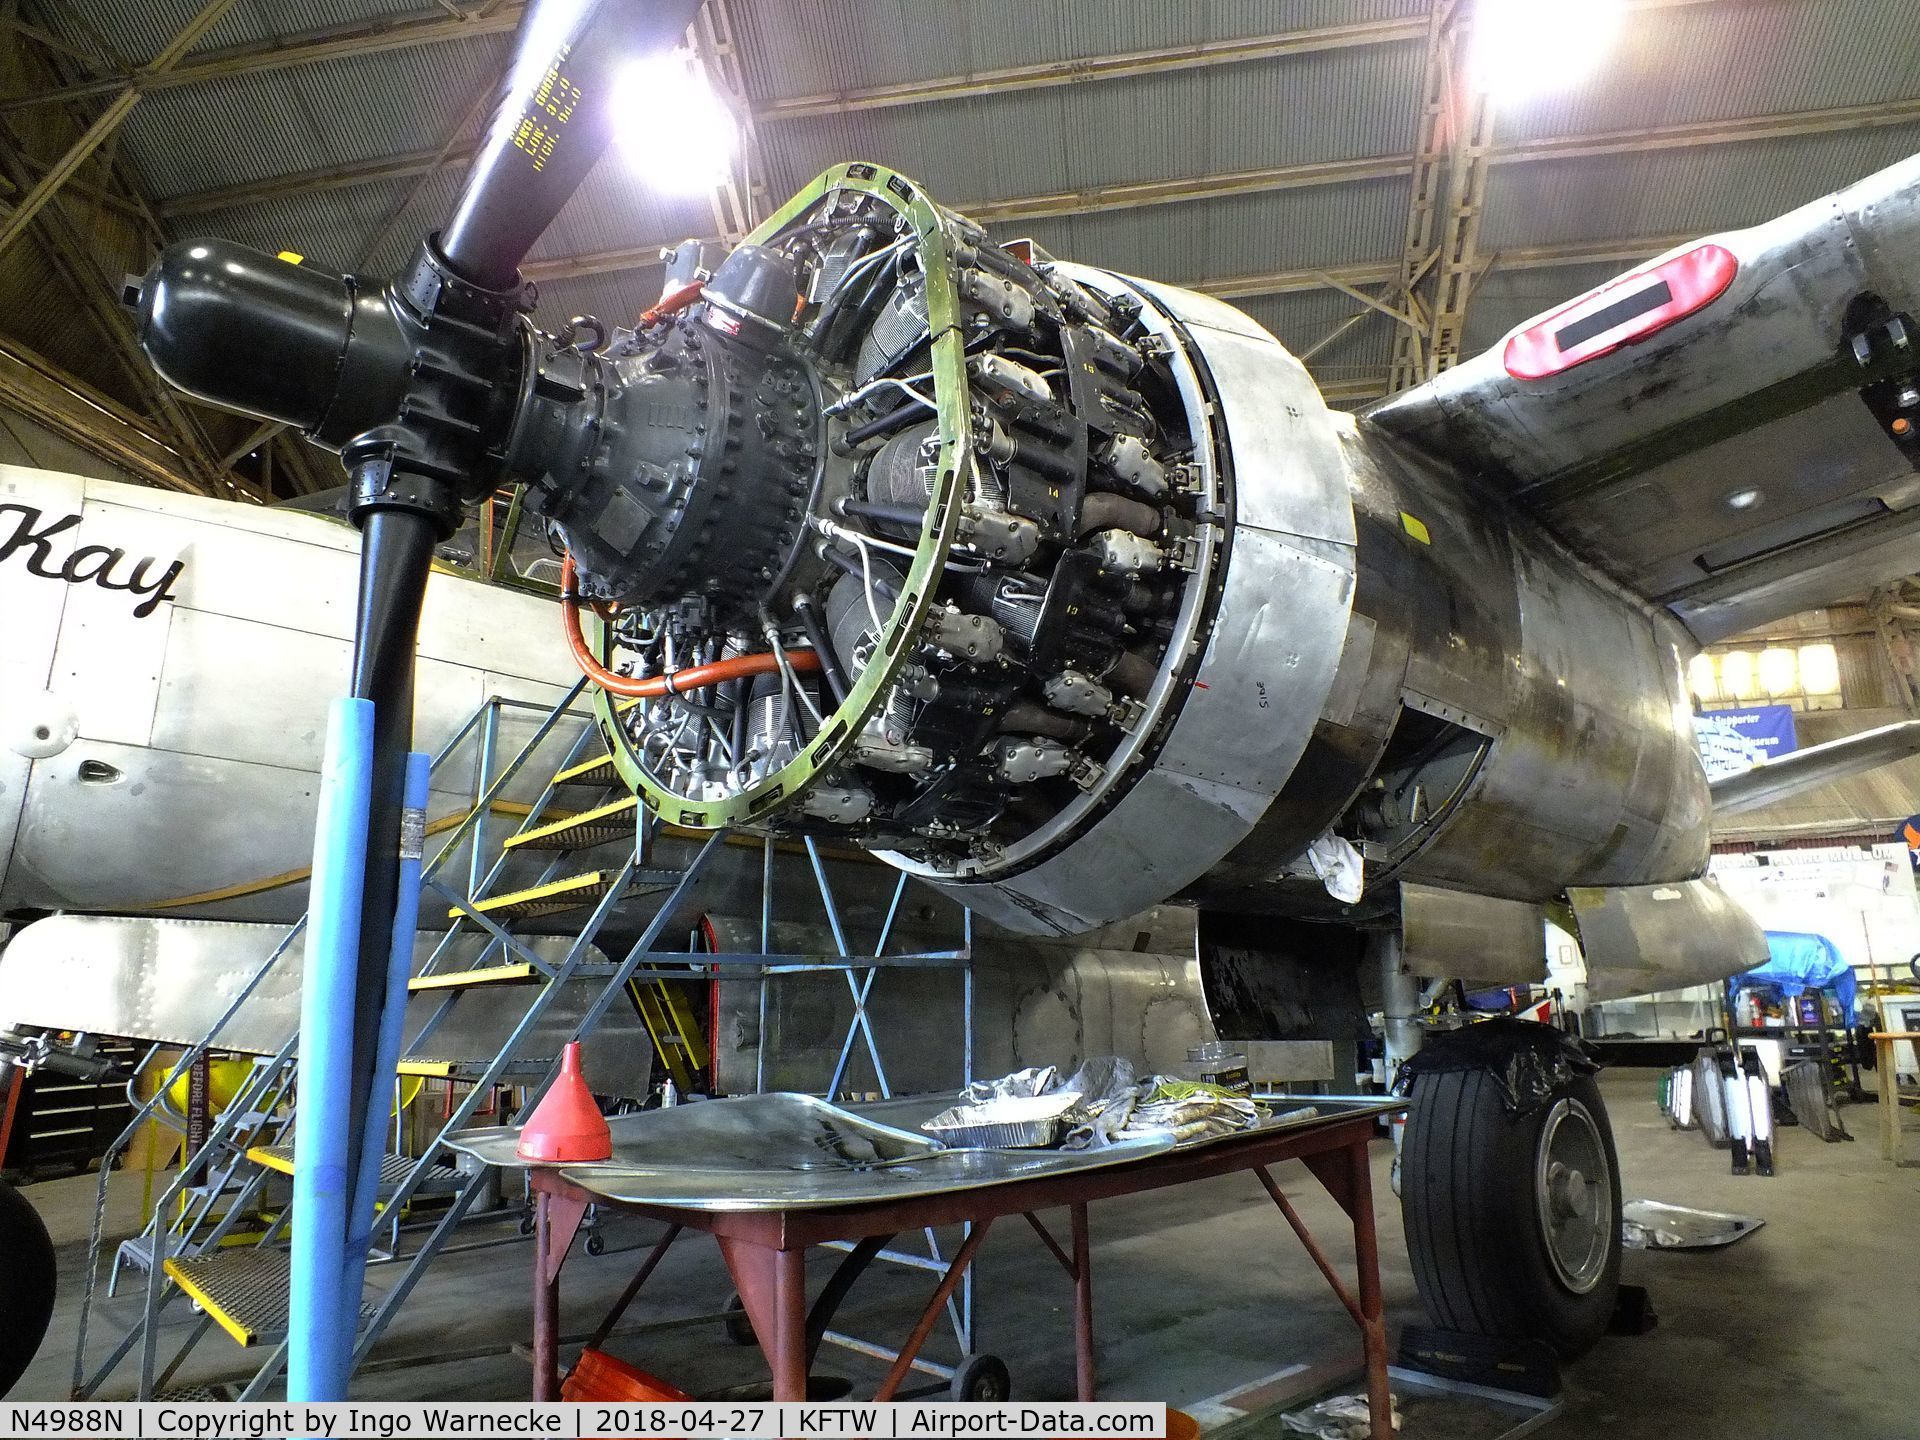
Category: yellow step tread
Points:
column 274, row 1157
column 243, row 1291
column 598, row 771
column 599, row 826
column 427, row 1068
column 393, row 1168
column 517, row 972
column 553, row 898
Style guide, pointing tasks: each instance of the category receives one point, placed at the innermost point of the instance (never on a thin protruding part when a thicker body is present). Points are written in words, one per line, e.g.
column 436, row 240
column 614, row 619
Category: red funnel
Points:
column 566, row 1127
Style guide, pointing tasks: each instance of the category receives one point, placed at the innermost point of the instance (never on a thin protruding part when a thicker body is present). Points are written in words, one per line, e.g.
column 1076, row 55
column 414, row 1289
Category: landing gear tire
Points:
column 1513, row 1221
column 26, row 1257
column 982, row 1378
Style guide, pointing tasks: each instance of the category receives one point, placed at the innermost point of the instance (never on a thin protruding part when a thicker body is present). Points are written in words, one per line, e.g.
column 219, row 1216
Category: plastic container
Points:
column 599, row 1376
column 1222, row 1063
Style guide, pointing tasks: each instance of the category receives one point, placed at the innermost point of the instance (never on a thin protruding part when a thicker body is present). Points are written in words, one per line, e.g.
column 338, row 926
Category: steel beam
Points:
column 1457, row 269
column 315, row 181
column 99, row 196
column 1758, row 127
column 739, row 200
column 15, row 225
column 1777, row 126
column 73, row 410
column 66, row 252
column 29, row 206
column 1334, row 282
column 1037, row 207
column 1049, row 74
column 307, row 48
column 1285, row 177
column 1370, row 387
column 1430, row 154
column 434, row 28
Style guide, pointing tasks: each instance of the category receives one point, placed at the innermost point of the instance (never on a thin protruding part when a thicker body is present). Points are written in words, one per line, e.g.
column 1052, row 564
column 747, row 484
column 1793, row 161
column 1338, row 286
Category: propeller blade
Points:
column 553, row 122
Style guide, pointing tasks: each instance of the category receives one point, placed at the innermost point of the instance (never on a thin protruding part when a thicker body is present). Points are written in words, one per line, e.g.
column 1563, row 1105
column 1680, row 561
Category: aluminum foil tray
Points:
column 1008, row 1123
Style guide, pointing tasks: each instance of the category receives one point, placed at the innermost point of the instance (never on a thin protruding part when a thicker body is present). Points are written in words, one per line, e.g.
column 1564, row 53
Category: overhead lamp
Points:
column 1819, row 669
column 1779, row 670
column 673, row 126
column 1532, row 47
column 1737, row 680
column 1701, row 678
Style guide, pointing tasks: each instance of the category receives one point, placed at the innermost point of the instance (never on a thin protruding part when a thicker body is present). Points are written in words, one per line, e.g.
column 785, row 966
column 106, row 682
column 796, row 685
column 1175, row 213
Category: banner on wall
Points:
column 1735, row 740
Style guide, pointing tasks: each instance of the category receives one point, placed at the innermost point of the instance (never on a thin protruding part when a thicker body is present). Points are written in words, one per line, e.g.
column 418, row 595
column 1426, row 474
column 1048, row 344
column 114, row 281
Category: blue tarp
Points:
column 1798, row 962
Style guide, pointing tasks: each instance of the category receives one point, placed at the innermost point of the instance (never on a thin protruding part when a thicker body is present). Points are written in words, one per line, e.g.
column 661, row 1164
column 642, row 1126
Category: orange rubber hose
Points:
column 670, row 305
column 694, row 677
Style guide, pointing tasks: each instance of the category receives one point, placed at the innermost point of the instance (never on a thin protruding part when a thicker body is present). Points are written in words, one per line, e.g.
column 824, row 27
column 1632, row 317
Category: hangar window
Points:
column 1807, row 677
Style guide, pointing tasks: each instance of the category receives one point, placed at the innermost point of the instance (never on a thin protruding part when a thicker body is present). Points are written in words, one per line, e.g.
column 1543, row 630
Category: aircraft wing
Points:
column 1731, row 430
column 1815, row 766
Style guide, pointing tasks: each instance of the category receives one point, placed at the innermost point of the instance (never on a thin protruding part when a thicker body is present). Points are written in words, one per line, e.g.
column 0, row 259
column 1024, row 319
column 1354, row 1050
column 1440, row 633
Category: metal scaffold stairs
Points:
column 220, row 1227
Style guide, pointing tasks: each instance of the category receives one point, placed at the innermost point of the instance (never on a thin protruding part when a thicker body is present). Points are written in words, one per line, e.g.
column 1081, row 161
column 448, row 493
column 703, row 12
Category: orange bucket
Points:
column 598, row 1376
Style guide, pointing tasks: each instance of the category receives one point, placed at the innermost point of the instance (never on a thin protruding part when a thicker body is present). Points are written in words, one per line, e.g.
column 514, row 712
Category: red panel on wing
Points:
column 1630, row 308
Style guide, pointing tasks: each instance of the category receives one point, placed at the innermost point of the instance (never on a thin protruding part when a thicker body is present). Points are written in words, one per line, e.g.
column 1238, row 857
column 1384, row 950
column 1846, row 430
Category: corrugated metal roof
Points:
column 243, row 128
column 1691, row 192
column 1692, row 63
column 1289, row 111
column 1240, row 235
column 131, row 32
column 811, row 46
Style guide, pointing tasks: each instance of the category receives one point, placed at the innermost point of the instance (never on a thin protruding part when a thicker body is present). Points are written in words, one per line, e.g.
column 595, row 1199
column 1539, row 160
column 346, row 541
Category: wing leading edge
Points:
column 1731, row 430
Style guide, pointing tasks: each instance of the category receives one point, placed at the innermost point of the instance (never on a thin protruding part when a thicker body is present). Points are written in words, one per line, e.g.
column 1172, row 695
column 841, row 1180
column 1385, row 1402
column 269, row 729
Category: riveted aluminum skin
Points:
column 1452, row 932
column 1592, row 777
column 1642, row 938
column 1724, row 466
column 198, row 725
column 1466, row 610
column 1133, row 989
column 1269, row 661
column 168, row 981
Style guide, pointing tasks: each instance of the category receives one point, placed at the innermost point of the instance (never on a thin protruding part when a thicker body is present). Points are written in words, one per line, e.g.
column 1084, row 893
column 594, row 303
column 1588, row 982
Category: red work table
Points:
column 766, row 1249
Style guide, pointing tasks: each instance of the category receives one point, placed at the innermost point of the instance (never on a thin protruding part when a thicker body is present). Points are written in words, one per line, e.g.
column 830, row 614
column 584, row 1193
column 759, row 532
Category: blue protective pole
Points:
column 406, row 915
column 317, row 1348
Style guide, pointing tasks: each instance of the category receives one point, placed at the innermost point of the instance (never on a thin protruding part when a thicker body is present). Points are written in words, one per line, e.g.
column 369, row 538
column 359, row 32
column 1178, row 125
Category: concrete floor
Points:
column 1808, row 1327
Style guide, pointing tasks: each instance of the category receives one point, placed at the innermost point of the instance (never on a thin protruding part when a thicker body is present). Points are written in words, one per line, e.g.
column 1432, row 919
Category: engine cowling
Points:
column 995, row 495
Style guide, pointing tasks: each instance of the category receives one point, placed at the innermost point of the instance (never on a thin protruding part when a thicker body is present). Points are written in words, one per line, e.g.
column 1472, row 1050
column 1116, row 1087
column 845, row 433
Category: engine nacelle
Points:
column 1062, row 590
column 1078, row 556
column 995, row 495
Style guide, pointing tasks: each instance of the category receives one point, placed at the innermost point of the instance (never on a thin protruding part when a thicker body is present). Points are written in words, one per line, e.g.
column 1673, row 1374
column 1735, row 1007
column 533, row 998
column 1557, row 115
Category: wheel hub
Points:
column 1571, row 1192
column 1573, row 1195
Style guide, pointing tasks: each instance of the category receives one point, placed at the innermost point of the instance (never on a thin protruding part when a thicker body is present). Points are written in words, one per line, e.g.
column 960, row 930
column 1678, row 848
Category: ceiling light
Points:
column 1530, row 47
column 673, row 125
column 1820, row 669
column 1779, row 670
column 1737, row 680
column 1701, row 678
column 1743, row 499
